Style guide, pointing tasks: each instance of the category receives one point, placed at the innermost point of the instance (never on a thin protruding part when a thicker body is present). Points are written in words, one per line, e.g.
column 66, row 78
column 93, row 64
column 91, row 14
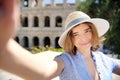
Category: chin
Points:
column 86, row 45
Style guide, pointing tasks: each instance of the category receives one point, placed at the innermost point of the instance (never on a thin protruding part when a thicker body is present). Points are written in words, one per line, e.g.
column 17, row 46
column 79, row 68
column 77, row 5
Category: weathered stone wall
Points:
column 42, row 10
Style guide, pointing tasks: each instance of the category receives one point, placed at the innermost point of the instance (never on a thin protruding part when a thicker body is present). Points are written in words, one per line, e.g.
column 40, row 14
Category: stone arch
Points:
column 46, row 41
column 36, row 21
column 25, row 21
column 58, row 20
column 25, row 42
column 36, row 41
column 47, row 21
column 56, row 42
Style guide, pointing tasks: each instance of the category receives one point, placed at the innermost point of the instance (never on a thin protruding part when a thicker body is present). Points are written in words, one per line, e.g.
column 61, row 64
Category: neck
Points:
column 86, row 52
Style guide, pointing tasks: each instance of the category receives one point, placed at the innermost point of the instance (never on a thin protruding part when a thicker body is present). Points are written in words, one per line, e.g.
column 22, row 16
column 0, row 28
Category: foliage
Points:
column 35, row 50
column 58, row 49
column 113, row 39
column 84, row 6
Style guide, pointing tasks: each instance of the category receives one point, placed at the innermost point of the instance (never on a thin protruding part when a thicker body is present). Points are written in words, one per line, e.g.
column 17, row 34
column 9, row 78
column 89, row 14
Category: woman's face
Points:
column 82, row 35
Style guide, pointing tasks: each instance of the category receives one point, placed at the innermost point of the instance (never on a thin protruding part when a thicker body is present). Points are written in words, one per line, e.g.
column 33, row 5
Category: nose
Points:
column 82, row 37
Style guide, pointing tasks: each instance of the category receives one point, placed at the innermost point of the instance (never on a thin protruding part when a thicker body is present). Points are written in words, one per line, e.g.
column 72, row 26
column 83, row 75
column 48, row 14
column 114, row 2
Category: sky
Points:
column 59, row 1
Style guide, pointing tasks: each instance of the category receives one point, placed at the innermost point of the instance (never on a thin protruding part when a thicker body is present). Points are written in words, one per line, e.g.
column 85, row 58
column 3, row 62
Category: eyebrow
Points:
column 84, row 30
column 74, row 32
column 87, row 29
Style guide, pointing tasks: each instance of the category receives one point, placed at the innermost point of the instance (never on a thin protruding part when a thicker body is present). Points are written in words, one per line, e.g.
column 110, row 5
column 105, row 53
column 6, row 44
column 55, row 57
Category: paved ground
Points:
column 8, row 76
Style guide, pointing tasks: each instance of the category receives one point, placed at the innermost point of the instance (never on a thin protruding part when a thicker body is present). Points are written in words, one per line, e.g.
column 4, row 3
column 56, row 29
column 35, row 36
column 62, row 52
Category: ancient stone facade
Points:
column 42, row 24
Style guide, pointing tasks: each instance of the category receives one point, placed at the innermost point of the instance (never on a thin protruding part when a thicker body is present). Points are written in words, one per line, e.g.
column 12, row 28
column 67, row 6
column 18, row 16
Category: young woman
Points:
column 80, row 40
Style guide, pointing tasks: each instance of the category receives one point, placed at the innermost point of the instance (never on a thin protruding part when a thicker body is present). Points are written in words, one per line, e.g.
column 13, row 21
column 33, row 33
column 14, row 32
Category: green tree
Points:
column 84, row 6
column 113, row 39
column 94, row 8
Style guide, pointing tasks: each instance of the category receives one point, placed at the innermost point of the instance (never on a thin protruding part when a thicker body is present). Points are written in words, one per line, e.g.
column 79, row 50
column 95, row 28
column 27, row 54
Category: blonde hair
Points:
column 96, row 40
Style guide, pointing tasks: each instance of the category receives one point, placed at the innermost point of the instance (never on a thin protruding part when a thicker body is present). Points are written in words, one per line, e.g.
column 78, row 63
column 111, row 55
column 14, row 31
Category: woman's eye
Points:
column 89, row 30
column 75, row 35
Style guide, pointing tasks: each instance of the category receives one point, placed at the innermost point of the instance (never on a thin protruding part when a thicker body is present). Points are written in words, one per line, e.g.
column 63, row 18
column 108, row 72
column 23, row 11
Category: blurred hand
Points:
column 9, row 19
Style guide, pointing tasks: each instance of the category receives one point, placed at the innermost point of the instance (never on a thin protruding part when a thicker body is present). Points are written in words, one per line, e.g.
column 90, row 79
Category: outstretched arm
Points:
column 21, row 62
column 16, row 59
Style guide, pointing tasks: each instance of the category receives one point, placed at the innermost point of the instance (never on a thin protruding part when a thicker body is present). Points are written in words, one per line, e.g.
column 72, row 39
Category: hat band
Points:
column 76, row 21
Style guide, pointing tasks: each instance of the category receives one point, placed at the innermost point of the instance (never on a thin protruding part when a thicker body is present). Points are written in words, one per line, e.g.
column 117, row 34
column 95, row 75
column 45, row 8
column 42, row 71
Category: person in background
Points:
column 80, row 40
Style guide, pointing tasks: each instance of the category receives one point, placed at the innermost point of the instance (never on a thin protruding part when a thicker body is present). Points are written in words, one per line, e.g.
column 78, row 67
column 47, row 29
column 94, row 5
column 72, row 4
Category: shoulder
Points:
column 65, row 57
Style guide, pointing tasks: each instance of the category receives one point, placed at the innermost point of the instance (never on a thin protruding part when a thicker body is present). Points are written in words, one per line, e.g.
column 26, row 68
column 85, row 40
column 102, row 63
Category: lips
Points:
column 85, row 43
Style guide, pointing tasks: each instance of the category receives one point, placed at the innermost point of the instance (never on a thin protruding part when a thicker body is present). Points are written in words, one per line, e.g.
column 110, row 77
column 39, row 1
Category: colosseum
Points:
column 42, row 24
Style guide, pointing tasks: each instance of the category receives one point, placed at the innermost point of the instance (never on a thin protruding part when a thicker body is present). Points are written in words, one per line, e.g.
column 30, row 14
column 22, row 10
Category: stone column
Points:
column 41, row 41
column 52, row 21
column 31, row 3
column 41, row 3
column 65, row 3
column 21, row 3
column 41, row 21
column 30, row 21
column 30, row 41
column 52, row 39
column 53, row 3
column 21, row 40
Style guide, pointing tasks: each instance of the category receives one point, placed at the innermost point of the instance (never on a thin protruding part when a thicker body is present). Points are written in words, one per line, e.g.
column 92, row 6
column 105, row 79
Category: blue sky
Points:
column 59, row 1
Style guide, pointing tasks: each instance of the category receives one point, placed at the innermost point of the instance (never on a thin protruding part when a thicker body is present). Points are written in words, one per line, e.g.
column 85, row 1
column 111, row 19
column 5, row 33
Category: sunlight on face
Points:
column 81, row 35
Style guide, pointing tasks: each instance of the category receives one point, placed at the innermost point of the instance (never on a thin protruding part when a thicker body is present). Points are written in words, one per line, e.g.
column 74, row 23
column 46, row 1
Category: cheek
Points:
column 76, row 41
column 90, row 36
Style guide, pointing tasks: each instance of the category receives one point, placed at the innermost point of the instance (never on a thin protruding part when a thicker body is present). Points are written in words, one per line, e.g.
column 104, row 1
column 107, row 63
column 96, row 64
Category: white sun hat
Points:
column 78, row 17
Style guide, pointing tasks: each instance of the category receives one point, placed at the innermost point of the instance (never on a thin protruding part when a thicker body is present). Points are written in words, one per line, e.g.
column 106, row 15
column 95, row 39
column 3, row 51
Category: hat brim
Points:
column 101, row 25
